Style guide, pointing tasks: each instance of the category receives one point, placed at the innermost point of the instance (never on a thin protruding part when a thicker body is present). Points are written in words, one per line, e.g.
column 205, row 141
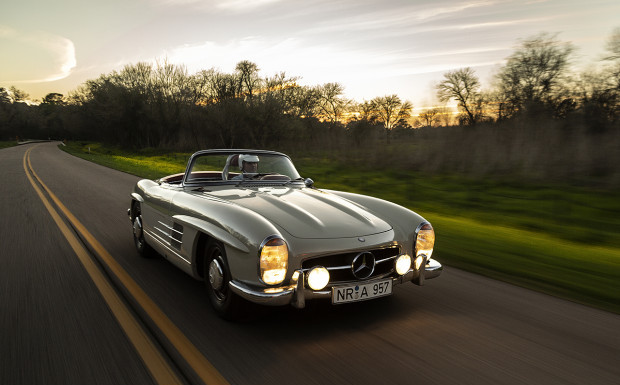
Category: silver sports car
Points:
column 246, row 223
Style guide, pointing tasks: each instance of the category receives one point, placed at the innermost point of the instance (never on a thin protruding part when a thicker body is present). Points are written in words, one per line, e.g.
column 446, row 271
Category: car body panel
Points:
column 180, row 214
column 306, row 213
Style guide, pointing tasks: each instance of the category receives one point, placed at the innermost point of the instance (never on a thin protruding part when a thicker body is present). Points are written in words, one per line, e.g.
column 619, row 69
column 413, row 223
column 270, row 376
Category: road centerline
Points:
column 194, row 358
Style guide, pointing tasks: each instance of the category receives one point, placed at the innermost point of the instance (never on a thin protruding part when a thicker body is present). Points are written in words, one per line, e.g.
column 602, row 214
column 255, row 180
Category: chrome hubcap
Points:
column 216, row 275
column 137, row 228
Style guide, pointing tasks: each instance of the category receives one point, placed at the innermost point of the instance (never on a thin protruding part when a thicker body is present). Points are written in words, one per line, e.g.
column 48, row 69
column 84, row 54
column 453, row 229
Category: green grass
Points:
column 146, row 163
column 10, row 143
column 561, row 240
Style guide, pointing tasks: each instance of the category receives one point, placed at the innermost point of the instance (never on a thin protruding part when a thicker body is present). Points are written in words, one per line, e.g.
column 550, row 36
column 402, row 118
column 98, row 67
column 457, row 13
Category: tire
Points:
column 144, row 250
column 227, row 304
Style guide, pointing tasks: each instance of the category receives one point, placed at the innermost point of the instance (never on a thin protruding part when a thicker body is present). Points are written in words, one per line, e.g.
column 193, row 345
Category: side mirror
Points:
column 309, row 182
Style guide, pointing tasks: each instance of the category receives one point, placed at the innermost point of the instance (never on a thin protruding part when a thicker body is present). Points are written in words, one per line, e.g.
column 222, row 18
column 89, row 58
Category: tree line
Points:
column 535, row 97
column 536, row 81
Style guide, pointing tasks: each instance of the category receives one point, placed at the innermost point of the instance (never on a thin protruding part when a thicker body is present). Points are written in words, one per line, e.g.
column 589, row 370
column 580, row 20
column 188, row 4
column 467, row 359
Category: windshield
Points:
column 241, row 166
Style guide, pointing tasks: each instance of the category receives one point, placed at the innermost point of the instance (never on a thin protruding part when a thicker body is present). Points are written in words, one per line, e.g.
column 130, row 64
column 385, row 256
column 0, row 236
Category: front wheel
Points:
column 227, row 304
column 138, row 233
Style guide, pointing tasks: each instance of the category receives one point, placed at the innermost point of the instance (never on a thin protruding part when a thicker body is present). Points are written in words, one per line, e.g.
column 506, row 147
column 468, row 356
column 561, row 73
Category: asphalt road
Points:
column 56, row 328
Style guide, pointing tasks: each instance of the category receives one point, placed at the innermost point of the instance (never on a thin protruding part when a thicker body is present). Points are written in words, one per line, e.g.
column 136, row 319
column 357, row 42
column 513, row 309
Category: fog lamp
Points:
column 403, row 264
column 273, row 261
column 318, row 278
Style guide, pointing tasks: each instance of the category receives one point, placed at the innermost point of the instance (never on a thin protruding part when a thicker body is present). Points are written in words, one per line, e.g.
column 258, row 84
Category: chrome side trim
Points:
column 166, row 245
column 162, row 231
column 172, row 237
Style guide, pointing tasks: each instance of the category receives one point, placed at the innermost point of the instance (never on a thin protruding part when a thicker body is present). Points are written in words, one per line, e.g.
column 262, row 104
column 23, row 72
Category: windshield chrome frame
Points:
column 190, row 162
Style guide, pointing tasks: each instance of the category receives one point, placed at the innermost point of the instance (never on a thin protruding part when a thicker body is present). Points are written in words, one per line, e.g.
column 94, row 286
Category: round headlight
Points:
column 425, row 241
column 318, row 278
column 403, row 264
column 273, row 261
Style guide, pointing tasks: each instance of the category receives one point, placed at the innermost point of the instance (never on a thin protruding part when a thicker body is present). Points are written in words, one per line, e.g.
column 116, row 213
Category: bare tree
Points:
column 283, row 89
column 18, row 95
column 533, row 75
column 247, row 73
column 430, row 116
column 613, row 46
column 365, row 110
column 331, row 103
column 462, row 86
column 391, row 111
column 224, row 86
column 54, row 99
column 305, row 102
column 598, row 90
column 445, row 116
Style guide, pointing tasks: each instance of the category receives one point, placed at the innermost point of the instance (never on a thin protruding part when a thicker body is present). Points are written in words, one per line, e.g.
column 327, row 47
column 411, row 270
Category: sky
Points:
column 373, row 48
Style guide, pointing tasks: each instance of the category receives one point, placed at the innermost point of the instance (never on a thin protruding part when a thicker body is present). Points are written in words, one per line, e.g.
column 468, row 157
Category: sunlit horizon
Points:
column 372, row 49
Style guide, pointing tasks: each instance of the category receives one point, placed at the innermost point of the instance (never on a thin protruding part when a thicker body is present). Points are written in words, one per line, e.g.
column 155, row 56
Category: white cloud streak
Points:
column 244, row 5
column 324, row 63
column 406, row 17
column 237, row 6
column 48, row 57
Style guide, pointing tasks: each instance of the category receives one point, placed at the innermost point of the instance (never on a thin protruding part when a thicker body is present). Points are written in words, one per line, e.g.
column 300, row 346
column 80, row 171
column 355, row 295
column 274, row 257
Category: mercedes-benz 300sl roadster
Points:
column 252, row 228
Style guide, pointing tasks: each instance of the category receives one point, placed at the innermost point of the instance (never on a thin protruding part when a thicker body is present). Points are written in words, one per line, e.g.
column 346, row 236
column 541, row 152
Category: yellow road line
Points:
column 152, row 358
column 201, row 366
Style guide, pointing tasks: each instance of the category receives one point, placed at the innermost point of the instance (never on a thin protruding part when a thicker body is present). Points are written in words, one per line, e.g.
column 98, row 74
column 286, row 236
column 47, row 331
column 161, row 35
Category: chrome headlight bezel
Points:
column 272, row 261
column 424, row 241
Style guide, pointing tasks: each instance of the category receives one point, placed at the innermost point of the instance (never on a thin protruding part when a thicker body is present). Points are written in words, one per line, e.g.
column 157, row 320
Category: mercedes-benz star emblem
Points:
column 363, row 265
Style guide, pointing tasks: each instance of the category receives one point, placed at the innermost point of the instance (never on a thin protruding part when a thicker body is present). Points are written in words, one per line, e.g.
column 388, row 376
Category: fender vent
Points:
column 176, row 238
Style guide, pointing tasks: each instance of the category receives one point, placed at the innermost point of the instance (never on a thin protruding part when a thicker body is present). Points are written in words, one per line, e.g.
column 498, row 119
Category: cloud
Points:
column 328, row 61
column 226, row 5
column 35, row 56
column 406, row 17
column 316, row 64
column 244, row 5
column 323, row 63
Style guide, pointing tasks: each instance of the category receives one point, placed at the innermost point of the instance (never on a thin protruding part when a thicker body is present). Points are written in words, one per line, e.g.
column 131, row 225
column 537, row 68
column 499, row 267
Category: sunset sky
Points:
column 373, row 48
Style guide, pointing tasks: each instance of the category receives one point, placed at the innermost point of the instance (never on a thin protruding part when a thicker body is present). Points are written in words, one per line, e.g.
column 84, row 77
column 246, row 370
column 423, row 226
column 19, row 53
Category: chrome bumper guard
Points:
column 296, row 295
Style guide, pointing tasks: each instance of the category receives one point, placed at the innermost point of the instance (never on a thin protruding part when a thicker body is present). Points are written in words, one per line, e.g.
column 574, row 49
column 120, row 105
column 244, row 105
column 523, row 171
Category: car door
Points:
column 158, row 219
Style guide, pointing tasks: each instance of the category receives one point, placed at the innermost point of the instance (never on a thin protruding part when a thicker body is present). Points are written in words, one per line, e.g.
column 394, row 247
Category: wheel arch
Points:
column 205, row 232
column 132, row 207
column 137, row 197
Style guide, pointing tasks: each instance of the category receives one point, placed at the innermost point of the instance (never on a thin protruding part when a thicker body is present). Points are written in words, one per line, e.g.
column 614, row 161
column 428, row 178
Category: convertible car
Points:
column 246, row 223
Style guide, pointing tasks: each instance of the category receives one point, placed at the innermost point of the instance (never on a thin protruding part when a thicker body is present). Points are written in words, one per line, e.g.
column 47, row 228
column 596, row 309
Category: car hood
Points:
column 306, row 213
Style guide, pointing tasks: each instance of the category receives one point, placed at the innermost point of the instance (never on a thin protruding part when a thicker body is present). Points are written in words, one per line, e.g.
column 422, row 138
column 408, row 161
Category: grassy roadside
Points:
column 5, row 144
column 560, row 240
column 146, row 164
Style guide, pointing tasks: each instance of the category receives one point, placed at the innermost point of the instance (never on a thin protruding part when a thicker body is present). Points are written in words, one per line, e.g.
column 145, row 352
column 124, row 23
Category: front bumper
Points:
column 296, row 294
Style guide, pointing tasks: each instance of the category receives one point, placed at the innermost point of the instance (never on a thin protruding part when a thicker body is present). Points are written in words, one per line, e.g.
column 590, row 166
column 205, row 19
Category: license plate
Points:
column 361, row 292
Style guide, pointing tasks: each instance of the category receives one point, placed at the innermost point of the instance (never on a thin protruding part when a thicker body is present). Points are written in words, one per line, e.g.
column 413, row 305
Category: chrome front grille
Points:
column 340, row 265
